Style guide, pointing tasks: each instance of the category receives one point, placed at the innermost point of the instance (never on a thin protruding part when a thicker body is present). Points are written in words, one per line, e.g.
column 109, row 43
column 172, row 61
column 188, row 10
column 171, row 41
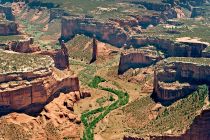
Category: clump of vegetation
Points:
column 101, row 100
column 111, row 98
column 94, row 83
column 123, row 99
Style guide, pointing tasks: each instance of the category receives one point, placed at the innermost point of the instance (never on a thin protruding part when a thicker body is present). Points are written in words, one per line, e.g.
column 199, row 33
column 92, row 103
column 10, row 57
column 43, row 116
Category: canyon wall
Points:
column 8, row 28
column 31, row 81
column 23, row 46
column 7, row 11
column 57, row 13
column 171, row 48
column 137, row 59
column 115, row 34
column 175, row 78
column 156, row 6
column 59, row 58
column 22, row 95
column 107, row 32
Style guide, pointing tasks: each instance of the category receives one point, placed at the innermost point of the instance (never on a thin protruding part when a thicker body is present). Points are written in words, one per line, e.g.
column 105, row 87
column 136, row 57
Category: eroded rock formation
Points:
column 7, row 11
column 60, row 56
column 138, row 58
column 179, row 48
column 23, row 46
column 57, row 13
column 31, row 81
column 94, row 50
column 108, row 32
column 175, row 78
column 56, row 121
column 8, row 28
column 113, row 32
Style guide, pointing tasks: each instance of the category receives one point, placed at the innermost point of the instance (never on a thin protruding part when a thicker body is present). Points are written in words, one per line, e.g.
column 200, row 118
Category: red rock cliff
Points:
column 177, row 77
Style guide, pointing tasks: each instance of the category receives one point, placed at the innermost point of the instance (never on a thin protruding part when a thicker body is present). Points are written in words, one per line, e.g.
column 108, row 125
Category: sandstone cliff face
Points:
column 171, row 48
column 7, row 11
column 177, row 77
column 59, row 58
column 29, row 88
column 56, row 121
column 137, row 59
column 113, row 32
column 57, row 13
column 197, row 131
column 8, row 28
column 22, row 46
column 156, row 6
column 107, row 32
column 173, row 13
column 197, row 12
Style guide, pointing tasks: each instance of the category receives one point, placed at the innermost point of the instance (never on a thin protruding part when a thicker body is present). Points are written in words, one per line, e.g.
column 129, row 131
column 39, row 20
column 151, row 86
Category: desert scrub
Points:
column 15, row 62
column 176, row 117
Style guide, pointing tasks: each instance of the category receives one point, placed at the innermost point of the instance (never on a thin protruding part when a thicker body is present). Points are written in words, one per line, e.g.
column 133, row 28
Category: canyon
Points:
column 29, row 88
column 152, row 55
column 8, row 28
column 138, row 58
column 176, row 78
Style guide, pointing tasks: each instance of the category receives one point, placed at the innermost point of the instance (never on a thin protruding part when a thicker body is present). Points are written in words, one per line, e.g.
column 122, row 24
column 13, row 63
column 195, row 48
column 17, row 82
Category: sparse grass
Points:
column 15, row 62
column 80, row 48
column 200, row 61
column 176, row 117
column 4, row 39
column 100, row 9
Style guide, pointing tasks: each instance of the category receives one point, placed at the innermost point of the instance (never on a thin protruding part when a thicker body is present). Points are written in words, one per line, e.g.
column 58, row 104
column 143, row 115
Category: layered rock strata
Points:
column 23, row 46
column 30, row 82
column 176, row 48
column 8, row 28
column 175, row 78
column 197, row 130
column 57, row 13
column 7, row 11
column 113, row 32
column 137, row 58
column 56, row 121
column 107, row 32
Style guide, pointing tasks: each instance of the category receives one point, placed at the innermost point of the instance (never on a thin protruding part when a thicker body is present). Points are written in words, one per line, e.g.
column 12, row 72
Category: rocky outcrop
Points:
column 60, row 57
column 94, row 51
column 197, row 12
column 8, row 28
column 56, row 121
column 7, row 11
column 107, row 32
column 57, row 13
column 114, row 32
column 137, row 58
column 31, row 82
column 171, row 13
column 177, row 48
column 23, row 46
column 156, row 6
column 175, row 78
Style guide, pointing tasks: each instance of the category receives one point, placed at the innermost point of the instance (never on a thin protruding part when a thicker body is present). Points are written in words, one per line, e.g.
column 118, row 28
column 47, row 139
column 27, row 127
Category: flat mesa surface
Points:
column 5, row 39
column 11, row 62
column 200, row 61
column 101, row 9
